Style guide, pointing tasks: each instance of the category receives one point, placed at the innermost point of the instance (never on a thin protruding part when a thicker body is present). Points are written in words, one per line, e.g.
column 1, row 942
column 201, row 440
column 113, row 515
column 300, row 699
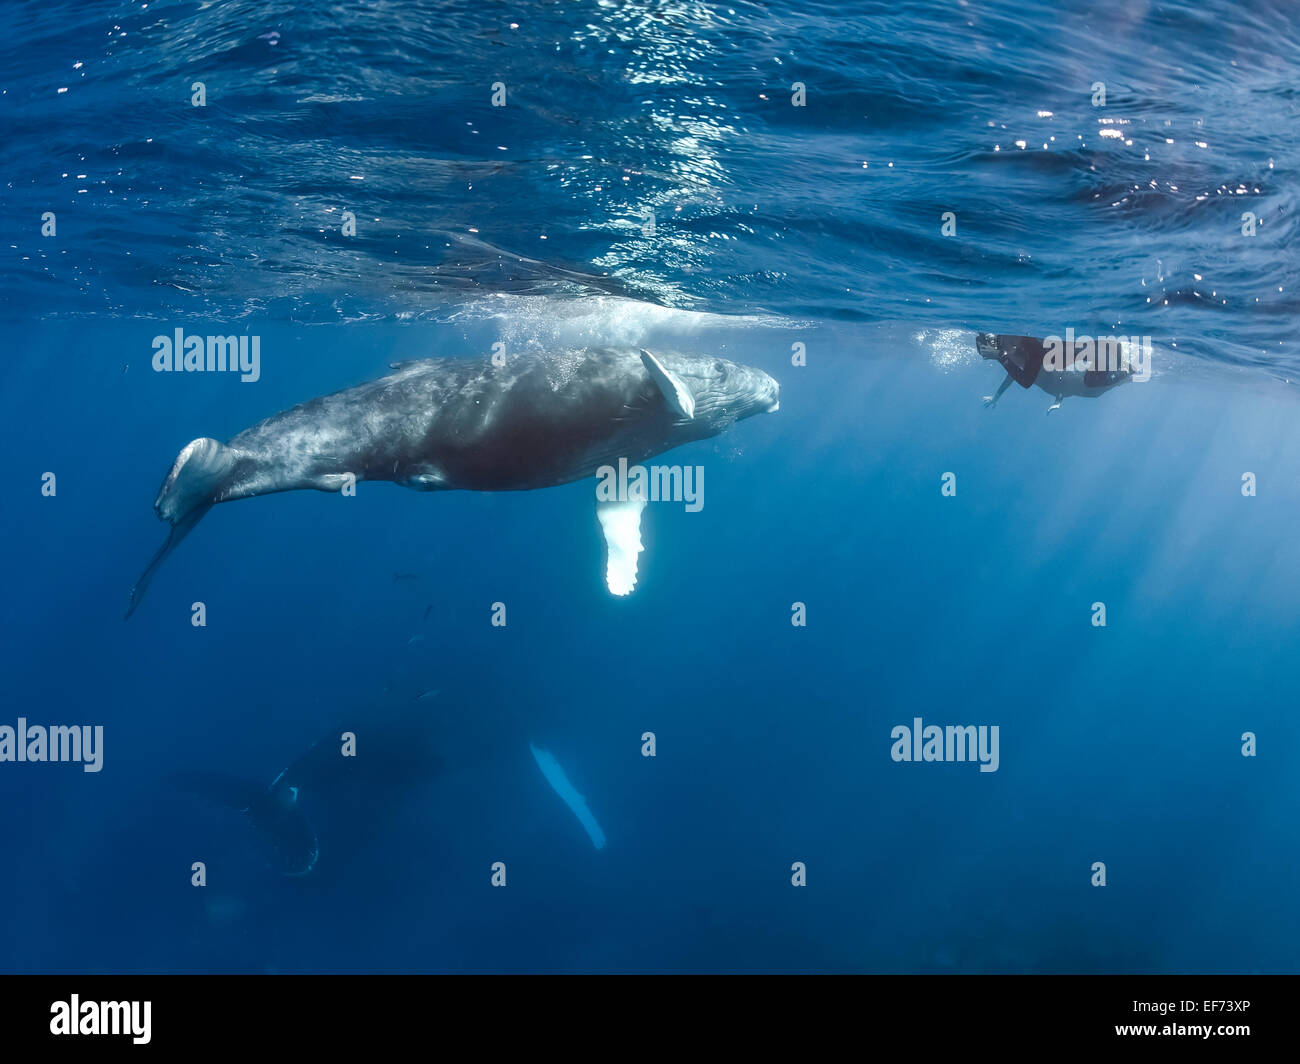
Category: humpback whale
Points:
column 275, row 813
column 327, row 794
column 473, row 425
column 1023, row 357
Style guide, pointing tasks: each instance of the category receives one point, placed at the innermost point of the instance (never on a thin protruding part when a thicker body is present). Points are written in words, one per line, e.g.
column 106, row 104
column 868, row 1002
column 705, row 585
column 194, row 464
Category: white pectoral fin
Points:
column 559, row 782
column 621, row 524
column 679, row 396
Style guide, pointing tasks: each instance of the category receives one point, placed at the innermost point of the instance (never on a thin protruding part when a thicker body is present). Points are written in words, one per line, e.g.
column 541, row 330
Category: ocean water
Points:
column 797, row 161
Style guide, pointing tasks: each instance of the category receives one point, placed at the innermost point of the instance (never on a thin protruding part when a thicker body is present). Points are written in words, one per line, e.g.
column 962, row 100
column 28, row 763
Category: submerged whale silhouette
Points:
column 348, row 789
column 469, row 424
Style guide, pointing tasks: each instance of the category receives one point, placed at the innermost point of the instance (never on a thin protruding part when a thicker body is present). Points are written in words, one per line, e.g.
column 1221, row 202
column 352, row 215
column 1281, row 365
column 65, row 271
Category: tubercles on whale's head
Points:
column 724, row 392
column 743, row 391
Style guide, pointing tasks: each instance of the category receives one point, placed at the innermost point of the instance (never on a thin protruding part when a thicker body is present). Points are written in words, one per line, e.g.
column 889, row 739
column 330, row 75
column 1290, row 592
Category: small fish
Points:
column 417, row 638
column 427, row 610
column 405, row 576
column 429, row 695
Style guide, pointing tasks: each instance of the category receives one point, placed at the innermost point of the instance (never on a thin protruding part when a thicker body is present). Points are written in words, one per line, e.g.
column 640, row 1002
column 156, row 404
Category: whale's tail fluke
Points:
column 178, row 532
column 338, row 794
column 275, row 813
column 189, row 491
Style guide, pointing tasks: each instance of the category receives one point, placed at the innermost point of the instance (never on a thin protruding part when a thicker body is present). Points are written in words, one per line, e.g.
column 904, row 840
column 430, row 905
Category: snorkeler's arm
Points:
column 990, row 400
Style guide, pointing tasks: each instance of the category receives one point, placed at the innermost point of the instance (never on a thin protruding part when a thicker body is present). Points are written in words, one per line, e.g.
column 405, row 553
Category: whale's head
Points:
column 713, row 392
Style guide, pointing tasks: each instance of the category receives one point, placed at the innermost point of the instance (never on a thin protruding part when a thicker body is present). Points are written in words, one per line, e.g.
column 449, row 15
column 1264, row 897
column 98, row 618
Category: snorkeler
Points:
column 1062, row 368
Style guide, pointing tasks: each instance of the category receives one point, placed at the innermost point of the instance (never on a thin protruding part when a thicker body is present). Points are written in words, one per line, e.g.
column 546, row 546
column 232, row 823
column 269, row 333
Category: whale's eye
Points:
column 718, row 368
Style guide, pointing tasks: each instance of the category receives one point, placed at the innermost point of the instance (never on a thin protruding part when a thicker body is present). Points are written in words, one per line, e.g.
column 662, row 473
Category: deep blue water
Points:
column 775, row 225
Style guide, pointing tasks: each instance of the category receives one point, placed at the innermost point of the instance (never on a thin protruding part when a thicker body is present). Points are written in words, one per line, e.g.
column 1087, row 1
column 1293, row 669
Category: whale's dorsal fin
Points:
column 621, row 523
column 675, row 391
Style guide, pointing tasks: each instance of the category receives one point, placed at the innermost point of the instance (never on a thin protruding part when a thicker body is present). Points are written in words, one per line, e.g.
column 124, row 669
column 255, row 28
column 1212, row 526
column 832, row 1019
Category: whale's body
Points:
column 335, row 796
column 470, row 424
